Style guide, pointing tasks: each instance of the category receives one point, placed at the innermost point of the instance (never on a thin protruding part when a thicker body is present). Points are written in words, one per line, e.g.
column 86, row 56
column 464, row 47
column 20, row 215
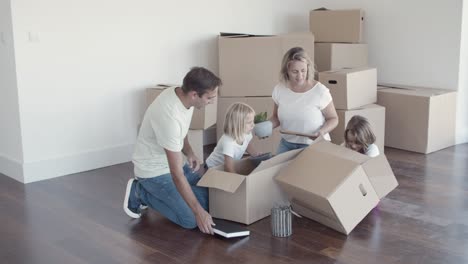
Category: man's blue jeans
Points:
column 285, row 146
column 161, row 194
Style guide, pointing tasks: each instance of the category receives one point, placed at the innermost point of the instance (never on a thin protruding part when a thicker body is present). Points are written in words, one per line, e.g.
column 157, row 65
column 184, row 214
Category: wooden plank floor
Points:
column 79, row 219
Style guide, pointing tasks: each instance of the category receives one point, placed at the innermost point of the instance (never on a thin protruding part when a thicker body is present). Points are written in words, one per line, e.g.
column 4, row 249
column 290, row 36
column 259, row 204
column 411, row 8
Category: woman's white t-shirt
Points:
column 227, row 146
column 301, row 112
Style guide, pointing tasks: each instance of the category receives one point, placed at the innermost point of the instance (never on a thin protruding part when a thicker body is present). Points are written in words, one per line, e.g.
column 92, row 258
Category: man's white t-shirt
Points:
column 227, row 146
column 165, row 125
column 301, row 112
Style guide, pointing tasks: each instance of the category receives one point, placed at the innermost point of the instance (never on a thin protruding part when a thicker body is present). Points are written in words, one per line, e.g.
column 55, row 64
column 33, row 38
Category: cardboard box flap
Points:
column 283, row 157
column 222, row 180
column 316, row 171
column 380, row 175
column 341, row 152
column 163, row 86
column 240, row 35
column 411, row 90
column 348, row 70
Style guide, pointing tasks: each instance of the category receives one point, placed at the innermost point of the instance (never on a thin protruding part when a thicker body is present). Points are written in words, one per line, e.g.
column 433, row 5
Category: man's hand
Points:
column 204, row 221
column 194, row 162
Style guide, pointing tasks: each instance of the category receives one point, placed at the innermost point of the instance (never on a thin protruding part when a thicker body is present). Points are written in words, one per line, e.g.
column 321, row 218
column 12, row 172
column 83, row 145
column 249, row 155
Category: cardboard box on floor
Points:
column 201, row 119
column 249, row 195
column 259, row 104
column 351, row 88
column 375, row 114
column 418, row 119
column 249, row 65
column 334, row 185
column 337, row 25
column 334, row 56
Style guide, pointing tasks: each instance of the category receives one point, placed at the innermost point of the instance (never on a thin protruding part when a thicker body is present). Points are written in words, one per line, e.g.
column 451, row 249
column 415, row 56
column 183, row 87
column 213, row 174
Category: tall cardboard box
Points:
column 351, row 88
column 259, row 104
column 334, row 56
column 249, row 195
column 250, row 65
column 337, row 25
column 334, row 185
column 201, row 119
column 418, row 119
column 375, row 114
column 195, row 138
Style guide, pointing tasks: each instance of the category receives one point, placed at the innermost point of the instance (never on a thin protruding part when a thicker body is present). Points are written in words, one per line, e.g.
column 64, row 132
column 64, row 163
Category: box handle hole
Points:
column 332, row 82
column 362, row 189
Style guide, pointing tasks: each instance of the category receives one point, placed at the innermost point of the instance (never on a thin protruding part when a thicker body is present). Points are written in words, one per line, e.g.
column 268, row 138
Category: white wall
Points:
column 11, row 156
column 462, row 107
column 82, row 66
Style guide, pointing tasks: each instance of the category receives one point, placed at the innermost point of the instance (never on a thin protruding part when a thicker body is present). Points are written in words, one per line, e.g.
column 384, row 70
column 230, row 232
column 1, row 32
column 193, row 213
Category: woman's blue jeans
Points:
column 161, row 194
column 285, row 146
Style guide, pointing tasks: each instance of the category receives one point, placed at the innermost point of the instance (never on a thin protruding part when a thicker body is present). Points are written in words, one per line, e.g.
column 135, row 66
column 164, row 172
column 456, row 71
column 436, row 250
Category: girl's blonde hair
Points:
column 296, row 54
column 361, row 129
column 235, row 120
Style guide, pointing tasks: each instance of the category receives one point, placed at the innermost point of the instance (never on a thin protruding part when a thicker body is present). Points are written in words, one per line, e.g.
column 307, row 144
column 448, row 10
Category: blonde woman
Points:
column 359, row 136
column 235, row 141
column 302, row 104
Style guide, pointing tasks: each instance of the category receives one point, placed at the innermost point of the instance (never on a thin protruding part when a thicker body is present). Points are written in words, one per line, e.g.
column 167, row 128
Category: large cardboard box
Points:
column 334, row 185
column 249, row 195
column 195, row 138
column 334, row 56
column 351, row 88
column 418, row 119
column 337, row 25
column 375, row 114
column 250, row 65
column 201, row 119
column 259, row 104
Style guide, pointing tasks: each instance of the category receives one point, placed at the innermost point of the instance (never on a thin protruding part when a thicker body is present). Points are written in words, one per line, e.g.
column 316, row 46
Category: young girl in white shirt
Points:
column 235, row 141
column 359, row 136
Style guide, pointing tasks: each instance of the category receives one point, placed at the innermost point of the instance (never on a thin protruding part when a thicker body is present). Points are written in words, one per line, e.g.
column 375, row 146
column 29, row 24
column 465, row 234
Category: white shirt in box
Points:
column 227, row 146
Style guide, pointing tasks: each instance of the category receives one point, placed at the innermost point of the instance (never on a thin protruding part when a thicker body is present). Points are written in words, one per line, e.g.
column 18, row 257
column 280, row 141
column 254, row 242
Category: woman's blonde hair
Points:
column 361, row 129
column 235, row 120
column 296, row 54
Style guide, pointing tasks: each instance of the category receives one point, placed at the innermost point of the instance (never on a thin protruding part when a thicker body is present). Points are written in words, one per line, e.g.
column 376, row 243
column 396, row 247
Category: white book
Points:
column 229, row 229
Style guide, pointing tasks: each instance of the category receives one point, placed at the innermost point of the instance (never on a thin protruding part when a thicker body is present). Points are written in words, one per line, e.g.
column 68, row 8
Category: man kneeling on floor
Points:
column 162, row 180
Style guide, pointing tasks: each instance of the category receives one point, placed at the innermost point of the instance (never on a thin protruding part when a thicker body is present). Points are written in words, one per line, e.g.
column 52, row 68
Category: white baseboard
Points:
column 462, row 135
column 52, row 168
column 11, row 168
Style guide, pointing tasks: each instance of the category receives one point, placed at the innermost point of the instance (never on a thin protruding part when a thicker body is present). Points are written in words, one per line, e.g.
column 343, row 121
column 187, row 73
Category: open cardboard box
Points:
column 334, row 185
column 249, row 195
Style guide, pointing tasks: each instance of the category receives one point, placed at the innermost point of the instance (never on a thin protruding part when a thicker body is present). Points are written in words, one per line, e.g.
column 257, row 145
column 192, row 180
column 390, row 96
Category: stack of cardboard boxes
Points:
column 341, row 60
column 249, row 67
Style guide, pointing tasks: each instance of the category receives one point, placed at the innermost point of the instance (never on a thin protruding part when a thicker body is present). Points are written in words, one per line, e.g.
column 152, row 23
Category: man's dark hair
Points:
column 200, row 80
